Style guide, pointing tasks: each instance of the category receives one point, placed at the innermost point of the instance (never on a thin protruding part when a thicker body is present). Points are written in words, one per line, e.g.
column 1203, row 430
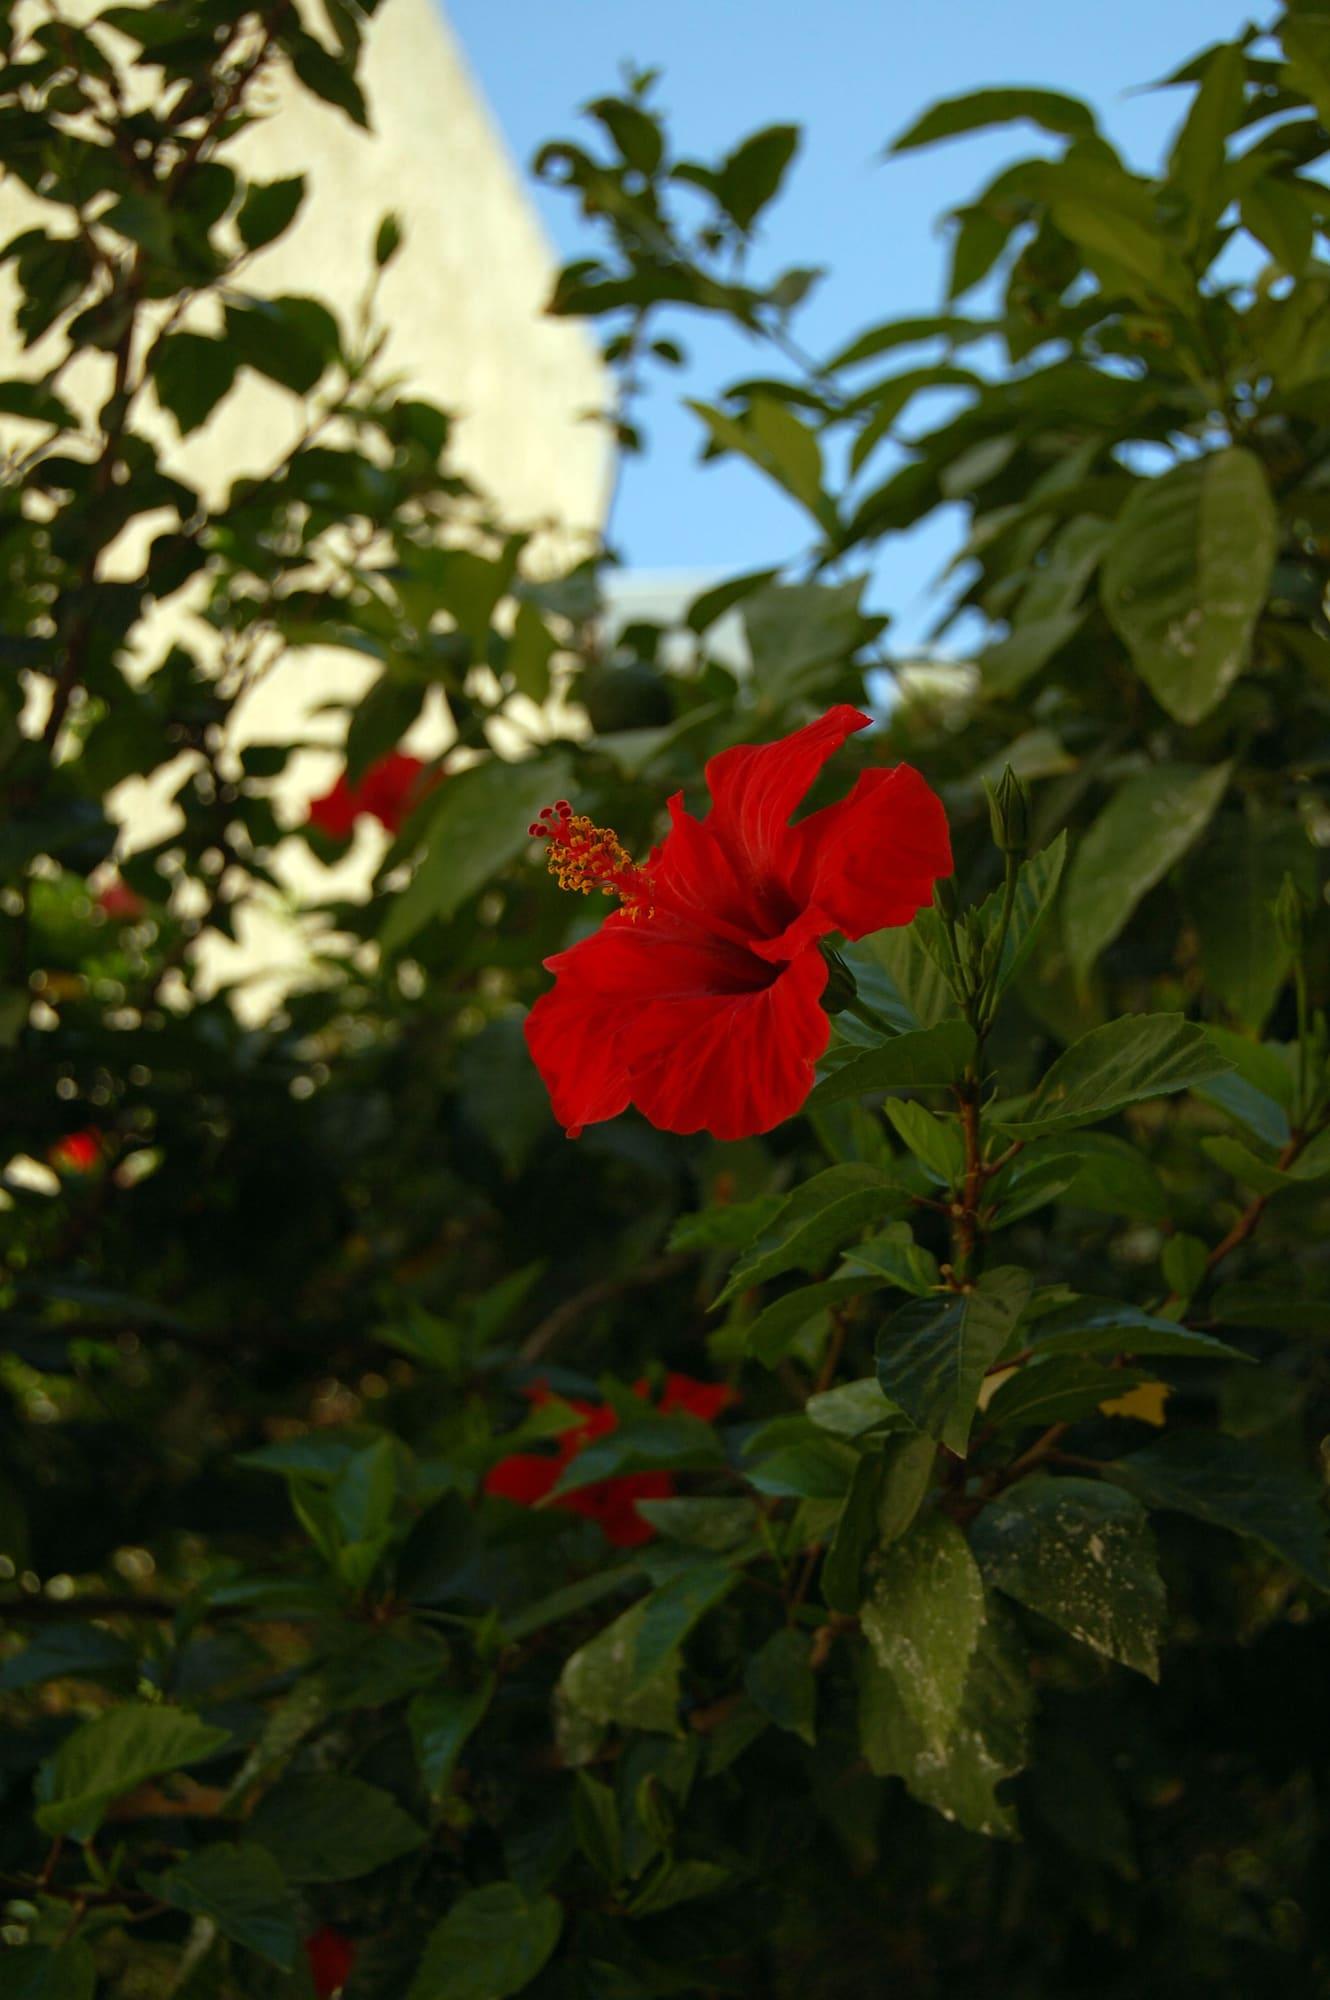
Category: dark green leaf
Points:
column 928, row 1056
column 988, row 1744
column 1147, row 826
column 1048, row 109
column 1187, row 574
column 268, row 210
column 492, row 1942
column 1139, row 1056
column 1233, row 1485
column 111, row 1755
column 331, row 1829
column 780, row 1679
column 1055, row 1391
column 922, row 1619
column 242, row 1889
column 1081, row 1554
column 479, row 823
column 191, row 373
column 814, row 1222
column 441, row 1720
column 932, row 1356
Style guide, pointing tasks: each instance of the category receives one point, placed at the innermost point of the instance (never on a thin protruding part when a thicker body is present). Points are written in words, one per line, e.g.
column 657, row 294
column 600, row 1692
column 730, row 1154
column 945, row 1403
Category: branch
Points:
column 543, row 1336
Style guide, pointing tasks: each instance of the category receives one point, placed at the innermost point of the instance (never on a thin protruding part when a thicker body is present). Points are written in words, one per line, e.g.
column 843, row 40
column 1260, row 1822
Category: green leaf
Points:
column 269, row 209
column 814, row 1468
column 1230, row 885
column 855, row 1535
column 644, row 1443
column 928, row 1056
column 1147, row 826
column 773, row 438
column 103, row 1759
column 441, row 1720
column 922, row 1618
column 82, row 1652
column 752, row 175
column 1138, row 1056
column 34, row 1972
column 1187, row 574
column 853, row 1409
column 894, row 1256
column 1028, row 648
column 629, row 1673
column 932, row 1356
column 779, row 1326
column 1233, row 1485
column 1031, row 1184
column 492, row 1942
column 1106, row 1326
column 680, row 1882
column 1196, row 163
column 191, row 372
column 954, row 116
column 596, row 1819
column 291, row 340
column 242, row 1889
column 1114, row 1177
column 821, row 1215
column 934, row 1142
column 1056, row 1390
column 1036, row 891
column 714, row 1525
column 331, row 1829
column 328, row 78
column 1081, row 1554
column 1234, row 1158
column 907, row 1473
column 1278, row 216
column 478, row 825
column 780, row 1679
column 988, row 1744
column 530, row 649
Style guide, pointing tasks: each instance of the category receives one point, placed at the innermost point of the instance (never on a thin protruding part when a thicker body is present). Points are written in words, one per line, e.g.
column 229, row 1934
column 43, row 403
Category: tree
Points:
column 891, row 1542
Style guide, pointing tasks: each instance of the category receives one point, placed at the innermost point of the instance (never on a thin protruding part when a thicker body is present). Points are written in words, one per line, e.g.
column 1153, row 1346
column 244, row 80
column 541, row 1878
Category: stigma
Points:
column 582, row 856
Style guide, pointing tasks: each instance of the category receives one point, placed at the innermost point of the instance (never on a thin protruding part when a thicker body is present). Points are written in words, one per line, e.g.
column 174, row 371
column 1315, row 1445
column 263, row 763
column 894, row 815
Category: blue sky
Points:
column 853, row 73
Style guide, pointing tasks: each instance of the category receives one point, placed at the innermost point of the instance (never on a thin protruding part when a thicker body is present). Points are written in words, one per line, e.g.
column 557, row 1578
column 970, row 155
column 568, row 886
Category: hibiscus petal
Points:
column 730, row 1064
column 523, row 1477
column 870, row 862
column 699, row 1034
column 755, row 788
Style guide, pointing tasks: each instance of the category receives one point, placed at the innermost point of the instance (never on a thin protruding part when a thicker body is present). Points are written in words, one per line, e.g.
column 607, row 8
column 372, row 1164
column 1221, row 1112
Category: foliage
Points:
column 976, row 1635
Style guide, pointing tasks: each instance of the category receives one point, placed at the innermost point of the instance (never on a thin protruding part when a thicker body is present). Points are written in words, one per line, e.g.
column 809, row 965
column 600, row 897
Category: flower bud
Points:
column 1009, row 812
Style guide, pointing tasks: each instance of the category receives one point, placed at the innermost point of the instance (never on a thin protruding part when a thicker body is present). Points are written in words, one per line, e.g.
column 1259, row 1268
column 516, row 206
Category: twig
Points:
column 543, row 1336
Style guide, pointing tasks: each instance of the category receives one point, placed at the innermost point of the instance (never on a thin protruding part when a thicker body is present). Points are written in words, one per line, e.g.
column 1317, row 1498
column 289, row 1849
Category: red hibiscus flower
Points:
column 121, row 903
column 699, row 999
column 77, row 1152
column 331, row 1957
column 528, row 1477
column 389, row 791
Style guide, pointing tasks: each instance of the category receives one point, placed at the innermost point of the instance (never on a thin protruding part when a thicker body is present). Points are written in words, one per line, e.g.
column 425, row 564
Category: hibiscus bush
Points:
column 851, row 1519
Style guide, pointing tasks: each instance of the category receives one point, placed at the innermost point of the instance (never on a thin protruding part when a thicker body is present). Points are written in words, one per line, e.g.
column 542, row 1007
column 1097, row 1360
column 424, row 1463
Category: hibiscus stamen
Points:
column 583, row 856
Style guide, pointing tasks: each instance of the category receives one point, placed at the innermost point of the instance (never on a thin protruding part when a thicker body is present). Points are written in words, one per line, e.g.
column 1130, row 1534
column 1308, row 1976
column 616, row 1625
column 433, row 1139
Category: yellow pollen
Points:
column 583, row 856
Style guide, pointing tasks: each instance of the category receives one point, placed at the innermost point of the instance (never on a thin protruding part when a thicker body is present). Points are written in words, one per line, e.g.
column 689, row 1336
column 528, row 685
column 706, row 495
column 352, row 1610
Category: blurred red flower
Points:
column 389, row 790
column 528, row 1477
column 698, row 1000
column 120, row 903
column 77, row 1152
column 331, row 1957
